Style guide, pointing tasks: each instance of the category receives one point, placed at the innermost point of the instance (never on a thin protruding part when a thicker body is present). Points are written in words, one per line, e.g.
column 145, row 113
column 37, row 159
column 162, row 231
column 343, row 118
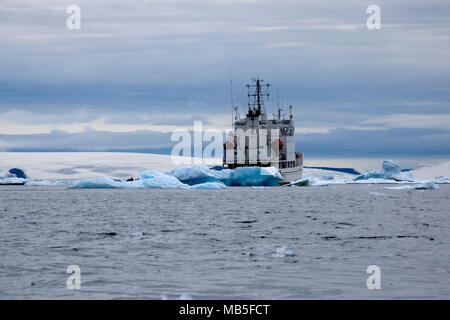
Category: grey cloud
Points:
column 389, row 142
column 339, row 142
column 147, row 62
column 88, row 141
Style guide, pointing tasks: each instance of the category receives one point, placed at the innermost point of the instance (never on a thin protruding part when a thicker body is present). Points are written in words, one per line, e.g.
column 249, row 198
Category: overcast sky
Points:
column 137, row 70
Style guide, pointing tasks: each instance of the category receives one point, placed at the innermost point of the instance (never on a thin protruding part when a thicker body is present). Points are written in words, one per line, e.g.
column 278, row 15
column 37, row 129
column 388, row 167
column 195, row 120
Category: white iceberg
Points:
column 6, row 175
column 441, row 179
column 12, row 181
column 9, row 178
column 310, row 180
column 427, row 185
column 307, row 181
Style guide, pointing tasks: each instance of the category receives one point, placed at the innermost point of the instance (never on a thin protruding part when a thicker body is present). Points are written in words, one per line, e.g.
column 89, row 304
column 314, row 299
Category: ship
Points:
column 267, row 141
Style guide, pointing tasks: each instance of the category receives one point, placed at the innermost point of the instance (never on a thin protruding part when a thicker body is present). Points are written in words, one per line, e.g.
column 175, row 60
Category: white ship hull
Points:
column 292, row 174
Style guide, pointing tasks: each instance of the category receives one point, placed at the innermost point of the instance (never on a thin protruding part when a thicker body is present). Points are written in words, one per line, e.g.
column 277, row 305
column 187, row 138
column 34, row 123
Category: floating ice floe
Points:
column 389, row 171
column 31, row 182
column 10, row 178
column 6, row 175
column 377, row 194
column 309, row 180
column 255, row 176
column 183, row 296
column 12, row 181
column 195, row 177
column 427, row 185
column 243, row 176
column 199, row 174
column 98, row 183
column 306, row 182
column 208, row 185
column 156, row 179
column 152, row 182
column 19, row 173
column 441, row 179
column 281, row 252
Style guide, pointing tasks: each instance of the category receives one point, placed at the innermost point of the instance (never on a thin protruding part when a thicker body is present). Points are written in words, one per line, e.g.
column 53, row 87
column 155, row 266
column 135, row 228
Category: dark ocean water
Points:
column 238, row 243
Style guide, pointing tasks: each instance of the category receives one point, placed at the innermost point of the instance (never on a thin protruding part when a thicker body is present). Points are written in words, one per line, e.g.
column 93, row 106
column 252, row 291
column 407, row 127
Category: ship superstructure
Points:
column 267, row 141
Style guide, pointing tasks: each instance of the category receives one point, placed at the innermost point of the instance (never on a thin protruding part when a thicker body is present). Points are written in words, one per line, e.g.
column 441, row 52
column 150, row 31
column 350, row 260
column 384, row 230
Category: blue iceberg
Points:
column 97, row 183
column 195, row 177
column 156, row 179
column 243, row 177
column 149, row 180
column 18, row 173
column 198, row 174
column 389, row 171
column 255, row 176
column 7, row 177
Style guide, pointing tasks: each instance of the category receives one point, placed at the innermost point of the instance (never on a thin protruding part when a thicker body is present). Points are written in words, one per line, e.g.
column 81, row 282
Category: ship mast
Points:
column 256, row 93
column 232, row 102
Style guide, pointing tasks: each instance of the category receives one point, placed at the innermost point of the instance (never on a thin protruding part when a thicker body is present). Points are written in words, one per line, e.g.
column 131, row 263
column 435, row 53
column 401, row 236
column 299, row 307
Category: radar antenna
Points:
column 256, row 94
